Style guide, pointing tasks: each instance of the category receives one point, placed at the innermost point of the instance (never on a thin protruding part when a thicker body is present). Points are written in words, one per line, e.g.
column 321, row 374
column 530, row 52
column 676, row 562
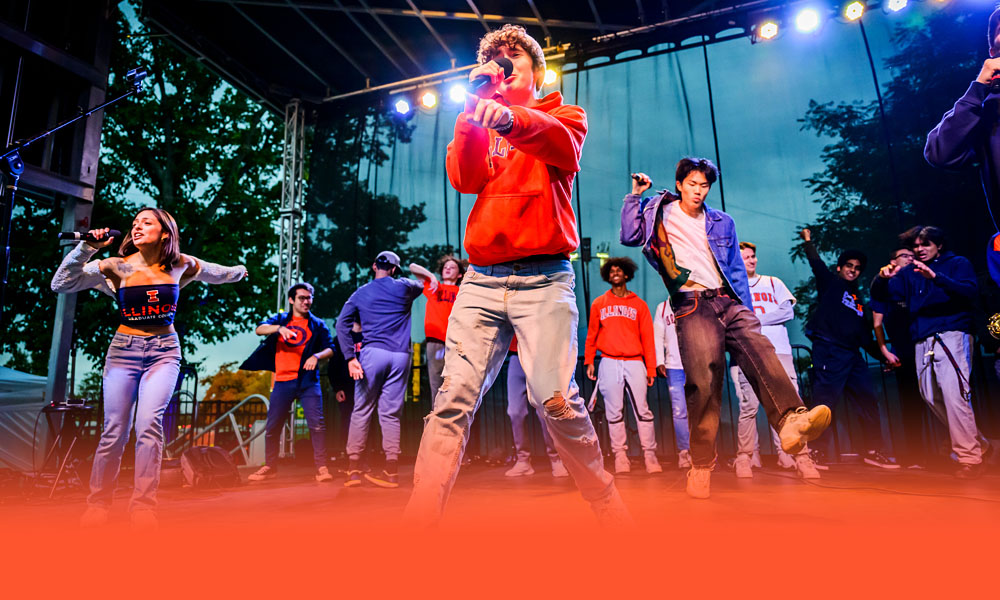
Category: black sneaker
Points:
column 877, row 459
column 353, row 474
column 970, row 471
column 383, row 479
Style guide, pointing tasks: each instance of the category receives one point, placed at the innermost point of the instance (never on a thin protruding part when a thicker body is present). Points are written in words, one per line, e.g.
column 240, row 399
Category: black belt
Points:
column 703, row 293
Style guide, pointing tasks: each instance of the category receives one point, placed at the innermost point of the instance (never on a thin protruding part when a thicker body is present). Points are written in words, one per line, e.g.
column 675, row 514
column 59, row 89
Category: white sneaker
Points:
column 323, row 474
column 263, row 473
column 805, row 466
column 94, row 516
column 652, row 465
column 611, row 512
column 786, row 462
column 684, row 460
column 742, row 466
column 144, row 520
column 520, row 468
column 622, row 464
column 559, row 469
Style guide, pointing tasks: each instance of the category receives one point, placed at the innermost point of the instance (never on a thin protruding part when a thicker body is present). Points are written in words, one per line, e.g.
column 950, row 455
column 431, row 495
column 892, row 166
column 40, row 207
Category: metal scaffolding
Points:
column 290, row 215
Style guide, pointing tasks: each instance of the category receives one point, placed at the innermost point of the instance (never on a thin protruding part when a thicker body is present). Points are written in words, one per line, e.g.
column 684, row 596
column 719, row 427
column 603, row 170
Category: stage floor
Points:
column 847, row 495
column 859, row 531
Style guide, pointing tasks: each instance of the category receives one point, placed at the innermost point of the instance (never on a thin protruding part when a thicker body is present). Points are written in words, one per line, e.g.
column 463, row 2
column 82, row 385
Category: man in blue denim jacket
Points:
column 695, row 250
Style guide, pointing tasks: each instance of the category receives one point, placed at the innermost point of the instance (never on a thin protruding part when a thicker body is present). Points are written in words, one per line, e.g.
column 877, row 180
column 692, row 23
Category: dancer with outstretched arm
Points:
column 143, row 361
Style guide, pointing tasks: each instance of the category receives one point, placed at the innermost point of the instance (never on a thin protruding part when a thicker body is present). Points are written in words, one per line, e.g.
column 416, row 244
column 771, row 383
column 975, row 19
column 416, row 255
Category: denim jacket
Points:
column 262, row 358
column 639, row 222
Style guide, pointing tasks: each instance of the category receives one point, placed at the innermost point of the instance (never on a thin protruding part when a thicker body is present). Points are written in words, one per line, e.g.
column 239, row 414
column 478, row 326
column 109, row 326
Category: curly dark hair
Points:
column 462, row 264
column 626, row 264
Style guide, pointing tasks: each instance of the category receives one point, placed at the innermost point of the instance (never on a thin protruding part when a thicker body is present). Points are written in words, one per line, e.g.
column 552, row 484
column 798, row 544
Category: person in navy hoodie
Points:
column 968, row 135
column 695, row 250
column 296, row 341
column 838, row 330
column 939, row 289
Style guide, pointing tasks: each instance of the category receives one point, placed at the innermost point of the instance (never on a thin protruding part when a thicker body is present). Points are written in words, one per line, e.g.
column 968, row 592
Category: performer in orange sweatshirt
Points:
column 519, row 154
column 622, row 329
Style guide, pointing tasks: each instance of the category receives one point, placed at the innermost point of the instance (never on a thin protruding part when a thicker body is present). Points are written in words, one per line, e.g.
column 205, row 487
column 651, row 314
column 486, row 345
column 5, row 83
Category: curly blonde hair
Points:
column 511, row 36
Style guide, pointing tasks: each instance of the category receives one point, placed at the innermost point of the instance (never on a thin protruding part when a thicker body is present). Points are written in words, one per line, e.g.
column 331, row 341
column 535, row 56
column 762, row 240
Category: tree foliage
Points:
column 862, row 206
column 348, row 220
column 193, row 145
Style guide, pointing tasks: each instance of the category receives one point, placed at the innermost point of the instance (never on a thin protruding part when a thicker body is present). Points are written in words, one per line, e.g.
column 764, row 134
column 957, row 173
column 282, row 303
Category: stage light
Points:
column 402, row 106
column 429, row 100
column 896, row 5
column 807, row 20
column 854, row 10
column 768, row 30
column 457, row 93
column 550, row 77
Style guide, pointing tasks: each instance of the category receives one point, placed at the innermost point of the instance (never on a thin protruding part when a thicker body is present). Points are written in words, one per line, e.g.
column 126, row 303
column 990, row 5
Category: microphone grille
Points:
column 506, row 65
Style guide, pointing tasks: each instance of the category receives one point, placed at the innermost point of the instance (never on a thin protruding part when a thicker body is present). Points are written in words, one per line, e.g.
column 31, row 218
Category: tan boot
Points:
column 803, row 426
column 699, row 483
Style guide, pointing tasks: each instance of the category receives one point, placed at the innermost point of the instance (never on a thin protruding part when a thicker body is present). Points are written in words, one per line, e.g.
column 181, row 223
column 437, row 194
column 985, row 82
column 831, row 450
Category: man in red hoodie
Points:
column 622, row 329
column 519, row 154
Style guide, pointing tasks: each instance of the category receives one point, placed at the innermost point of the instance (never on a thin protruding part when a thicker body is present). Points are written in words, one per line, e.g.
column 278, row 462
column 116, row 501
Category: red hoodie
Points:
column 621, row 328
column 523, row 181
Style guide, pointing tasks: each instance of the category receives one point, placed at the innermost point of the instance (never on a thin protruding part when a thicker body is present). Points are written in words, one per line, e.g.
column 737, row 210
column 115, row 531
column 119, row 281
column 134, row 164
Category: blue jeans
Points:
column 535, row 301
column 140, row 374
column 310, row 396
column 384, row 384
column 517, row 410
column 678, row 404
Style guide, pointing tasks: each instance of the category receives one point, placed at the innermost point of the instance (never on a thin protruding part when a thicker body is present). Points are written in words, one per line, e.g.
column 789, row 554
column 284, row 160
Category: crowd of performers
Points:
column 519, row 153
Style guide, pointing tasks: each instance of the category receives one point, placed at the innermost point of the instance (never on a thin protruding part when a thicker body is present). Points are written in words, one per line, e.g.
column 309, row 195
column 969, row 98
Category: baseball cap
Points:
column 387, row 258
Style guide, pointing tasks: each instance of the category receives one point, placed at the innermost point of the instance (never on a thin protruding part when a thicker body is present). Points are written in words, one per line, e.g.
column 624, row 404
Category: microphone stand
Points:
column 11, row 166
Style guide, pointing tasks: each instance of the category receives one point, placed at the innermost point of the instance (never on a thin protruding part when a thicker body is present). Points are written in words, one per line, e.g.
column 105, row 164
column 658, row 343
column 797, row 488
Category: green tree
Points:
column 193, row 145
column 937, row 56
column 348, row 223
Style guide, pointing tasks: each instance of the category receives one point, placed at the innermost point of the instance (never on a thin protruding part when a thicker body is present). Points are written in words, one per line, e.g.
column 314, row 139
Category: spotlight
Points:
column 896, row 5
column 807, row 20
column 768, row 30
column 428, row 100
column 457, row 93
column 402, row 106
column 550, row 77
column 854, row 10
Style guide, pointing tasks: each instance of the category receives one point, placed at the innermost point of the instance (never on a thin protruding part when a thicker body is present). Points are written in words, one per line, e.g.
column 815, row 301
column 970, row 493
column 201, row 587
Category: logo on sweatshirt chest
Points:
column 851, row 301
column 501, row 147
column 618, row 310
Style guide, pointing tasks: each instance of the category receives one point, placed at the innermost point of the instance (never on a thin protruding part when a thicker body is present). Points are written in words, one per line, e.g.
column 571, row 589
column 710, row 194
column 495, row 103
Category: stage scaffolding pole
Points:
column 291, row 214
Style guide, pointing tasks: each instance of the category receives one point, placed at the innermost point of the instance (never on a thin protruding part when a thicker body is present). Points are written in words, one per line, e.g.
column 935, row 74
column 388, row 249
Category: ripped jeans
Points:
column 535, row 300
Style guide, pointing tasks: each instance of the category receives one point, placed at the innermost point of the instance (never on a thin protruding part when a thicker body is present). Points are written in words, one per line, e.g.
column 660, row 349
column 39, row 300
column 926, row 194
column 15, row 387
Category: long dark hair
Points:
column 170, row 249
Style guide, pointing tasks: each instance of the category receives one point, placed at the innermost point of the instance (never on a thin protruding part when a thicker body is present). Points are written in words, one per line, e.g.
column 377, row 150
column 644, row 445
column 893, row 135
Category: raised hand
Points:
column 102, row 237
column 640, row 183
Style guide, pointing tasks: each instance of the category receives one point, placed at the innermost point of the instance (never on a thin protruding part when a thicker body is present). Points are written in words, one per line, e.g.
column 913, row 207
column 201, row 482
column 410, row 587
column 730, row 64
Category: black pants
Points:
column 840, row 371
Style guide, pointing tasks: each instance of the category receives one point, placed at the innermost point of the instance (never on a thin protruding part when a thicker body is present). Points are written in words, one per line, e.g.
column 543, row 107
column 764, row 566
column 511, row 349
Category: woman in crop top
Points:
column 143, row 361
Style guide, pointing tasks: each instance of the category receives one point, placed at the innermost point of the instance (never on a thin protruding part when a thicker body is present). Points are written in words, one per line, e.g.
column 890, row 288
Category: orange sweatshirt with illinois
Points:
column 523, row 181
column 621, row 328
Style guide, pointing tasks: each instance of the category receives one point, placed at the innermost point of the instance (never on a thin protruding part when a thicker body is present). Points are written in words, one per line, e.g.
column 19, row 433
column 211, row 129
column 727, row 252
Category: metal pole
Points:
column 885, row 131
column 715, row 131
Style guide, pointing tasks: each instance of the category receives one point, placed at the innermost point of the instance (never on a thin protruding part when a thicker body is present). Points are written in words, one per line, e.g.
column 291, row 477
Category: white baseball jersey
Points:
column 665, row 336
column 772, row 303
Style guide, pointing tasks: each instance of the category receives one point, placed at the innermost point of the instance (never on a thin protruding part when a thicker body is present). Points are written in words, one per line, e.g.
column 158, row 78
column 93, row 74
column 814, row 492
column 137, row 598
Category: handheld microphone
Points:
column 481, row 80
column 87, row 237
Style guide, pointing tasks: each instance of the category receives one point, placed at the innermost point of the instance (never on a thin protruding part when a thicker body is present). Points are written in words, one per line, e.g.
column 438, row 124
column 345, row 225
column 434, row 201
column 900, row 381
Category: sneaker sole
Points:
column 380, row 482
column 352, row 483
column 524, row 474
column 256, row 479
column 815, row 426
column 875, row 463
